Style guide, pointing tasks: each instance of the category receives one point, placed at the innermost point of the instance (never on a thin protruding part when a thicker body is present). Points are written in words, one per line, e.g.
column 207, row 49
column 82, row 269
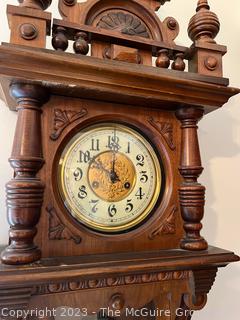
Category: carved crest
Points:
column 166, row 130
column 62, row 118
column 168, row 226
column 57, row 230
column 125, row 23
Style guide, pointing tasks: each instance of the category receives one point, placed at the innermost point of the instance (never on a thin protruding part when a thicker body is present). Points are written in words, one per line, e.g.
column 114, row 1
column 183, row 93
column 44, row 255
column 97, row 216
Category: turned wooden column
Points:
column 25, row 190
column 191, row 193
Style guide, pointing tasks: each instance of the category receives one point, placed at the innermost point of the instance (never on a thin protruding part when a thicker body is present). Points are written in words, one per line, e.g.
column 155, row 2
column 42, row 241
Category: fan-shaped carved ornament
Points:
column 125, row 23
column 57, row 230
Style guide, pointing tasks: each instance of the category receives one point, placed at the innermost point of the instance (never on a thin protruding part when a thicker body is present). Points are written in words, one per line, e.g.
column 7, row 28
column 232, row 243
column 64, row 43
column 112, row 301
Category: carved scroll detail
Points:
column 168, row 226
column 166, row 130
column 57, row 230
column 62, row 118
column 109, row 282
column 125, row 23
column 202, row 281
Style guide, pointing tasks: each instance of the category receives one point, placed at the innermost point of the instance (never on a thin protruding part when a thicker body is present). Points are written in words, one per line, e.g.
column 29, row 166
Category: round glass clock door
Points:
column 109, row 177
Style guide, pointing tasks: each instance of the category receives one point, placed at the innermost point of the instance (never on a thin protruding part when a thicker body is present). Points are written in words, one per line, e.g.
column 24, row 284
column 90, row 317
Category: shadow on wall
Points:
column 7, row 126
column 222, row 306
column 219, row 143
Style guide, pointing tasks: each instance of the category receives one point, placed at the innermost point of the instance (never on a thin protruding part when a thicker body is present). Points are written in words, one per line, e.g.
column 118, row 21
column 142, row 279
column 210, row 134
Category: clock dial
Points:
column 110, row 177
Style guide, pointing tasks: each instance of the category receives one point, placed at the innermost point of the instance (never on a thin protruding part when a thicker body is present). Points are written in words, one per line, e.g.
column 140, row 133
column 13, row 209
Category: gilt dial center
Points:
column 112, row 176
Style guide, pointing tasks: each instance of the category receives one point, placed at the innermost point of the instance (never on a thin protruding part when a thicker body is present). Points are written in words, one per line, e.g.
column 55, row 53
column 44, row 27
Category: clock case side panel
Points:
column 58, row 233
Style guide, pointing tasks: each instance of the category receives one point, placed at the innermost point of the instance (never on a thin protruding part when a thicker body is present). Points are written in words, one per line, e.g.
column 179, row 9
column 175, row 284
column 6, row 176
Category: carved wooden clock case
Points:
column 105, row 208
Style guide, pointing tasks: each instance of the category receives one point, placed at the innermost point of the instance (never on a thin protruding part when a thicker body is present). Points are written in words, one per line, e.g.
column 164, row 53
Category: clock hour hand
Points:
column 113, row 176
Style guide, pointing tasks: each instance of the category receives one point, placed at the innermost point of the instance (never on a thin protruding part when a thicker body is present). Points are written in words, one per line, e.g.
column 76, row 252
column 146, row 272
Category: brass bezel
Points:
column 80, row 217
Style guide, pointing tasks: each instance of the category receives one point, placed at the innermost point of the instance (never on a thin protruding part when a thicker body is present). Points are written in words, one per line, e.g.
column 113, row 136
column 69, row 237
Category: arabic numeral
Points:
column 94, row 204
column 82, row 193
column 140, row 194
column 84, row 156
column 129, row 206
column 95, row 145
column 144, row 177
column 140, row 160
column 113, row 143
column 112, row 210
column 78, row 174
column 128, row 148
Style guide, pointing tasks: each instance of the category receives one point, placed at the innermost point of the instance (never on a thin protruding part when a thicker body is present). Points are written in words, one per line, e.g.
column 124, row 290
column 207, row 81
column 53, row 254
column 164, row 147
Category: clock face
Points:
column 109, row 177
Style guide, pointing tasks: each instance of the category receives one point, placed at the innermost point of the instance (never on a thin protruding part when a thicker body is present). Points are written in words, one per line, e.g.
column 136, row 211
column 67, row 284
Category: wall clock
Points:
column 105, row 206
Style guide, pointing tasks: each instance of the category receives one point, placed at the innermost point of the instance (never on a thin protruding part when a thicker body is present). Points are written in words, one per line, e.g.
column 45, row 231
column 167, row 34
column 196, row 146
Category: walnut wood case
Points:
column 125, row 67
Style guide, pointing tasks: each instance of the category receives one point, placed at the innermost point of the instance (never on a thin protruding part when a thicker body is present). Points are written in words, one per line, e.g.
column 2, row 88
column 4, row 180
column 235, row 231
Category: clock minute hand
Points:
column 112, row 175
column 98, row 165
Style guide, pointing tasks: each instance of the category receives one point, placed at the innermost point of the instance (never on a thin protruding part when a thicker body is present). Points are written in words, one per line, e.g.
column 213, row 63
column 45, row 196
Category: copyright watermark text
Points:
column 6, row 313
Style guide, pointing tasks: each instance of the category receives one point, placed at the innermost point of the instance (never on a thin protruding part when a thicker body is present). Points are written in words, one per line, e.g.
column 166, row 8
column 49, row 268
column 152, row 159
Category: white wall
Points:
column 220, row 144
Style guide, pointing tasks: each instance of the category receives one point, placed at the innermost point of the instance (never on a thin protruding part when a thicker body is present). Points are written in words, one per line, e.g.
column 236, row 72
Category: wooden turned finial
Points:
column 60, row 40
column 202, row 4
column 204, row 25
column 35, row 4
column 80, row 45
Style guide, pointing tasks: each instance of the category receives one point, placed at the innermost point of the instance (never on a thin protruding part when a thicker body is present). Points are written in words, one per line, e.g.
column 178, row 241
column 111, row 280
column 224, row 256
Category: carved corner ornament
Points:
column 166, row 130
column 57, row 230
column 168, row 226
column 63, row 118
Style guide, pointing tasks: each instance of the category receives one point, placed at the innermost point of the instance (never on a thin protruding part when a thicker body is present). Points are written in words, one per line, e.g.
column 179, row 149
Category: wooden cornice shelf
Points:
column 80, row 76
column 94, row 266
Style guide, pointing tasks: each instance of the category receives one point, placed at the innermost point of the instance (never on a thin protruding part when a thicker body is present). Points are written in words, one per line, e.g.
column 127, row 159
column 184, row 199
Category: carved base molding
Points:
column 195, row 285
column 109, row 282
column 171, row 278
